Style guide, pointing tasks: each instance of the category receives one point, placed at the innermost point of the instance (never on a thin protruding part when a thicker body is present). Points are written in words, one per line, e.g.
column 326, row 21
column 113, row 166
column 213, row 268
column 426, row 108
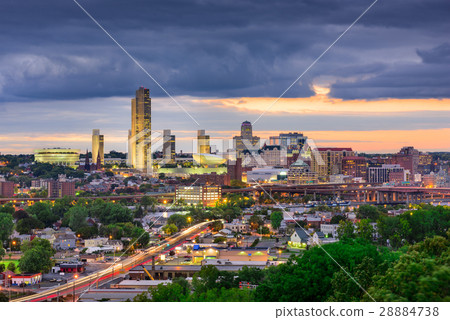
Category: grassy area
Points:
column 8, row 261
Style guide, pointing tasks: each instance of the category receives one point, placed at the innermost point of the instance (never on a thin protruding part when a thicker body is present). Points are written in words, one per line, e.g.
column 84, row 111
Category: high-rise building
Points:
column 246, row 141
column 203, row 144
column 139, row 137
column 383, row 173
column 98, row 146
column 6, row 189
column 293, row 142
column 234, row 169
column 267, row 156
column 408, row 158
column 168, row 146
column 328, row 161
column 355, row 167
column 61, row 187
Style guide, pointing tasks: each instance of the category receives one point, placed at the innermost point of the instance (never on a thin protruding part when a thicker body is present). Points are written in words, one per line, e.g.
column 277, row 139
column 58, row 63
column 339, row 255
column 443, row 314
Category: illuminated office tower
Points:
column 328, row 161
column 98, row 146
column 139, row 137
column 246, row 141
column 203, row 142
column 168, row 146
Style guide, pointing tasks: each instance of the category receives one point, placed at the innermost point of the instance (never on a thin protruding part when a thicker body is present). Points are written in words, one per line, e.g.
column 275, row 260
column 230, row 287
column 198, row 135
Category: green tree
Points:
column 20, row 214
column 220, row 239
column 26, row 225
column 87, row 232
column 6, row 225
column 36, row 256
column 2, row 251
column 217, row 226
column 309, row 277
column 3, row 297
column 42, row 211
column 61, row 206
column 139, row 213
column 178, row 219
column 8, row 208
column 147, row 201
column 176, row 291
column 275, row 219
column 346, row 230
column 12, row 266
column 77, row 216
column 364, row 229
column 337, row 218
column 141, row 236
column 423, row 274
column 367, row 211
column 251, row 274
column 255, row 222
column 170, row 228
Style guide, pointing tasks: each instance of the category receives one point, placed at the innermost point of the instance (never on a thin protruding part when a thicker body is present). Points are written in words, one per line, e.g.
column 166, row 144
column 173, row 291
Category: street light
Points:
column 75, row 276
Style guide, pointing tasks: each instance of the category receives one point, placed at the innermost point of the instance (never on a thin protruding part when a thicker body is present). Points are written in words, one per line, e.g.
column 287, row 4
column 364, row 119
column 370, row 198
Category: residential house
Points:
column 329, row 229
column 96, row 242
column 64, row 241
column 299, row 238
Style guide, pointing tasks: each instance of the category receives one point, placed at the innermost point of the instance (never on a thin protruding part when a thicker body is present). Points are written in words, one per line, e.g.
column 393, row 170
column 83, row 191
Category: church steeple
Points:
column 87, row 165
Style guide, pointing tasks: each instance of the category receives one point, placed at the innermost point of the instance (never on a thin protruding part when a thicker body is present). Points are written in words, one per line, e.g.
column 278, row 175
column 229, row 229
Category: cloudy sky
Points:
column 383, row 85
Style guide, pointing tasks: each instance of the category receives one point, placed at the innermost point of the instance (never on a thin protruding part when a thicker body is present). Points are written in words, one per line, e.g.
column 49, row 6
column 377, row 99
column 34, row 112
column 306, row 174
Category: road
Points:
column 83, row 283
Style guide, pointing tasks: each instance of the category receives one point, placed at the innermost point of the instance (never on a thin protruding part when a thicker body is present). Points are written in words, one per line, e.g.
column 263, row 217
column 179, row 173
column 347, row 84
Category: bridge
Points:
column 356, row 192
column 134, row 197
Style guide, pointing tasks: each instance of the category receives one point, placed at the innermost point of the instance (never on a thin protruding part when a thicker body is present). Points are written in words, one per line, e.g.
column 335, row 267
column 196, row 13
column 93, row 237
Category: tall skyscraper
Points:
column 328, row 161
column 203, row 145
column 293, row 142
column 246, row 141
column 98, row 146
column 168, row 147
column 139, row 137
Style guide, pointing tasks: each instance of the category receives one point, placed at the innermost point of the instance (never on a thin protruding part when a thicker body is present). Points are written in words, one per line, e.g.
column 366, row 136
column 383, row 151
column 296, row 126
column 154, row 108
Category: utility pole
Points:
column 74, row 281
column 9, row 286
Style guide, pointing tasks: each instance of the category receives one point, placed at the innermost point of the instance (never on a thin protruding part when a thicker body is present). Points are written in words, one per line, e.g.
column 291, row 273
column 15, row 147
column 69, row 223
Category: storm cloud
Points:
column 52, row 50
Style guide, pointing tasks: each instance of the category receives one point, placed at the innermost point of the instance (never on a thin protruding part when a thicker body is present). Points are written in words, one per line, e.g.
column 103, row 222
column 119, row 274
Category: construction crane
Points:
column 148, row 273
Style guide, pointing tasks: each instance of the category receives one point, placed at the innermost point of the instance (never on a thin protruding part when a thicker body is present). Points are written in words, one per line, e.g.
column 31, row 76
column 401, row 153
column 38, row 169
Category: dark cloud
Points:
column 439, row 55
column 52, row 50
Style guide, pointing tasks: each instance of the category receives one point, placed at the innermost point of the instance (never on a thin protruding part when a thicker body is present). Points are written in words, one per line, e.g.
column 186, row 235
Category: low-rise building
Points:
column 204, row 195
column 72, row 267
column 64, row 241
column 237, row 226
column 329, row 229
column 299, row 238
column 26, row 279
column 96, row 242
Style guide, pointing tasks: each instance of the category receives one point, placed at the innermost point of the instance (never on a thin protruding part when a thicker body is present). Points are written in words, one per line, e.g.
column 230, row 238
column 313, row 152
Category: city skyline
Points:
column 377, row 89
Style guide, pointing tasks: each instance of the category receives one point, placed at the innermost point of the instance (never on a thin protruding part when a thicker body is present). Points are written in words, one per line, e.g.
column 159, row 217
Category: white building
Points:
column 329, row 229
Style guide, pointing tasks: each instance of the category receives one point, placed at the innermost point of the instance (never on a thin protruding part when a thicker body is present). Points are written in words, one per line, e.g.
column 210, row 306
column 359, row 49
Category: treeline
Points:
column 417, row 273
column 414, row 268
column 114, row 219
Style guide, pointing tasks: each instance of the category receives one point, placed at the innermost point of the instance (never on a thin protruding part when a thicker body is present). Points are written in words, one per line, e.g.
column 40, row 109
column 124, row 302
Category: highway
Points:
column 83, row 283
